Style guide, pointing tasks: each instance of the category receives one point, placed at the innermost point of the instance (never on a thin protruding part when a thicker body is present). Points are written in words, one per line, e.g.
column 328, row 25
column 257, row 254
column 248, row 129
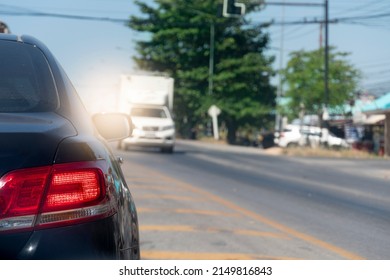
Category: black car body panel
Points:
column 46, row 125
column 63, row 242
column 20, row 132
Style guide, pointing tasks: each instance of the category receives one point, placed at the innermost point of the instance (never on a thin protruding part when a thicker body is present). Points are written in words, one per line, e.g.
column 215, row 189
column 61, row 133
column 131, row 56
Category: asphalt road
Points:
column 219, row 202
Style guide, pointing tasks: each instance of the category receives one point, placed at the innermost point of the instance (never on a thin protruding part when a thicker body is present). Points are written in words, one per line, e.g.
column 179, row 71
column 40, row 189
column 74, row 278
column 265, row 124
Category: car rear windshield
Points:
column 26, row 83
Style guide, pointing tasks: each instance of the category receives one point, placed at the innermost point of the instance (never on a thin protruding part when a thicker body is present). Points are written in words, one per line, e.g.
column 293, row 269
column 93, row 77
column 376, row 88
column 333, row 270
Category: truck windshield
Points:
column 148, row 112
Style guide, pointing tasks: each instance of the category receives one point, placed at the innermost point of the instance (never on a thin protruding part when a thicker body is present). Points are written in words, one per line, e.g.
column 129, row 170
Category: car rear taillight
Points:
column 54, row 195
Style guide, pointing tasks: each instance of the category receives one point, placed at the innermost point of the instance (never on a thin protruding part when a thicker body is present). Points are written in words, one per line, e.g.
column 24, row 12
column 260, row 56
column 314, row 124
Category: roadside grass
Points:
column 324, row 152
column 308, row 151
column 211, row 140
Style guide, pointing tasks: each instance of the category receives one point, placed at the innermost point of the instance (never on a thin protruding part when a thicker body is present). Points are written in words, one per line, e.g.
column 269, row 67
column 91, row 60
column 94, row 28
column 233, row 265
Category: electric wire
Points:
column 371, row 14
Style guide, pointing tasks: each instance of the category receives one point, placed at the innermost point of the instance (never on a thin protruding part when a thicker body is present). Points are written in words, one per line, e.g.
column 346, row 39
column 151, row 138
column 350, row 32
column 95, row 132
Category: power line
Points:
column 297, row 36
column 119, row 20
column 296, row 4
column 66, row 16
column 383, row 15
column 297, row 31
column 359, row 7
column 384, row 62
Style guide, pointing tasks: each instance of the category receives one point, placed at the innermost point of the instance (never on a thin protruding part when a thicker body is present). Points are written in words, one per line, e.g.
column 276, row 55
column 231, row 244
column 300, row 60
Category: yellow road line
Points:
column 206, row 212
column 261, row 233
column 152, row 187
column 166, row 196
column 288, row 230
column 166, row 228
column 144, row 180
column 181, row 228
column 169, row 255
column 146, row 210
column 276, row 225
column 188, row 211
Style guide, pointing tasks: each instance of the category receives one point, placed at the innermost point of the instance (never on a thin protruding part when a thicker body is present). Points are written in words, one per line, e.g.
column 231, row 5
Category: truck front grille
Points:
column 150, row 128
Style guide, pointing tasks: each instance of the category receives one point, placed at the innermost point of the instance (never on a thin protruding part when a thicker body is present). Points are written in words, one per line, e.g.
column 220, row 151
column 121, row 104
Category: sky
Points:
column 95, row 53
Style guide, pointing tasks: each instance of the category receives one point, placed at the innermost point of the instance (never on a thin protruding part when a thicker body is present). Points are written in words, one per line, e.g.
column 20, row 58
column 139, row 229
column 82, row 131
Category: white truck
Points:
column 149, row 101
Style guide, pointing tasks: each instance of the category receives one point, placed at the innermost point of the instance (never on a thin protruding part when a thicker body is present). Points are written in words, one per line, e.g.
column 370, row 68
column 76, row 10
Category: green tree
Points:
column 179, row 45
column 304, row 77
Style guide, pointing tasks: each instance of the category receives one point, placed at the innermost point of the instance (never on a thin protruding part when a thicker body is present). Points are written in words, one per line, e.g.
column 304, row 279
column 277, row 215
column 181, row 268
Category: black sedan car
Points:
column 62, row 192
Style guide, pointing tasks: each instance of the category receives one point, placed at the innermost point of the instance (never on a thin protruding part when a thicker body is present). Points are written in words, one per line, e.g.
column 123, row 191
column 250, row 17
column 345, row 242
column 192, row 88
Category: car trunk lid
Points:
column 27, row 140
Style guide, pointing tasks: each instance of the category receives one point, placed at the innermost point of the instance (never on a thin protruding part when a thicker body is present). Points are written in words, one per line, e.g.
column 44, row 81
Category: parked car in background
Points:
column 62, row 192
column 332, row 141
column 296, row 135
column 288, row 136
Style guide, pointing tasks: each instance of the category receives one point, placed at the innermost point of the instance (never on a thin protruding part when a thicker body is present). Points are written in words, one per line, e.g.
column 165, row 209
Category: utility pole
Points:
column 321, row 36
column 231, row 8
column 211, row 48
column 325, row 5
column 326, row 78
column 211, row 58
column 279, row 120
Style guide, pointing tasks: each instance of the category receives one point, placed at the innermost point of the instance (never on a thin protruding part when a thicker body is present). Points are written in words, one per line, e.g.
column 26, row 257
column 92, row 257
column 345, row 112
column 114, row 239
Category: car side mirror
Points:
column 113, row 126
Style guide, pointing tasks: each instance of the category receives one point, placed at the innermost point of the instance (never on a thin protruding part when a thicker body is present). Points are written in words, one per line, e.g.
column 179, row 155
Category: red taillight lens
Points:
column 21, row 191
column 61, row 193
column 74, row 189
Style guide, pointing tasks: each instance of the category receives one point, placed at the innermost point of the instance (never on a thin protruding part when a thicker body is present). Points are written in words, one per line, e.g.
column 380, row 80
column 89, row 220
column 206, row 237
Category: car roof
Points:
column 22, row 39
column 25, row 39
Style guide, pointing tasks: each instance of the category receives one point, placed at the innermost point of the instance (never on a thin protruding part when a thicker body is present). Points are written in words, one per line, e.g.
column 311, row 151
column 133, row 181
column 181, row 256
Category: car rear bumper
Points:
column 93, row 240
column 149, row 143
column 158, row 139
